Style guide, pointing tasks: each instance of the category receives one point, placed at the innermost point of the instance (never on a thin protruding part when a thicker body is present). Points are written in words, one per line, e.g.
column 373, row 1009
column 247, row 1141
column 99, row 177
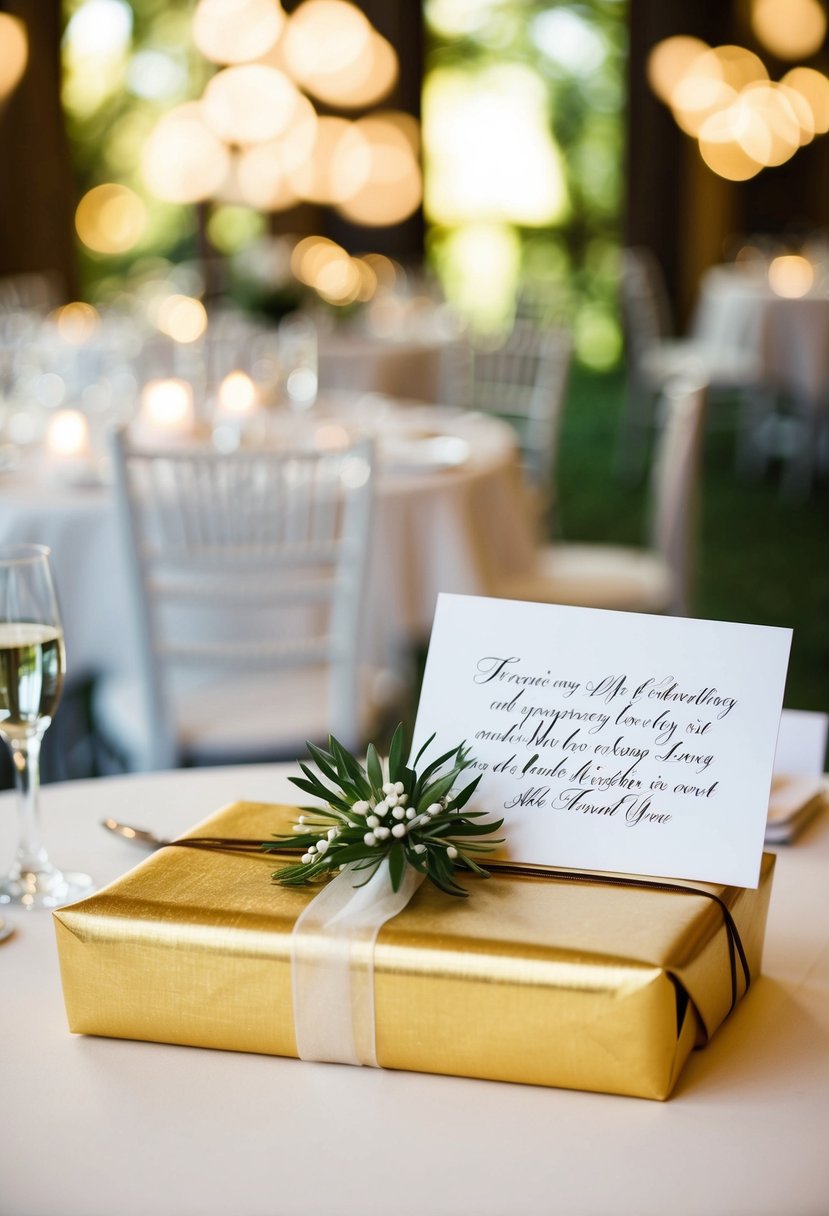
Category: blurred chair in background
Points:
column 523, row 380
column 35, row 292
column 653, row 579
column 249, row 569
column 655, row 357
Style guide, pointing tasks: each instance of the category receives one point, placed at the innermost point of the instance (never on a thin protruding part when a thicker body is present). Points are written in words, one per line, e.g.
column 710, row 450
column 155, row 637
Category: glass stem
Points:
column 31, row 854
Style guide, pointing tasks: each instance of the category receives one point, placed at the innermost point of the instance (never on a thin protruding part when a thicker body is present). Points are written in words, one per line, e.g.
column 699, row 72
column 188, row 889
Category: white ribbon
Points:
column 332, row 961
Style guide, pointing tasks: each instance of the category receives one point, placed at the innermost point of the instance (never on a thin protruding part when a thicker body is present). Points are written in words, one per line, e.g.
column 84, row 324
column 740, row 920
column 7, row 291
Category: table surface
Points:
column 95, row 1127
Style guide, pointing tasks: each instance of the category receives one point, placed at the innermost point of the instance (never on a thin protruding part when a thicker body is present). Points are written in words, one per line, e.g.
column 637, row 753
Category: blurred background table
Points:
column 788, row 330
column 450, row 516
column 738, row 307
column 95, row 1126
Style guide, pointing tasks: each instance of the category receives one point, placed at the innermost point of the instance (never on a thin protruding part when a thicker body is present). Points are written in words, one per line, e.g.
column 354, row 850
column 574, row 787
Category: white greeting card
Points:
column 611, row 740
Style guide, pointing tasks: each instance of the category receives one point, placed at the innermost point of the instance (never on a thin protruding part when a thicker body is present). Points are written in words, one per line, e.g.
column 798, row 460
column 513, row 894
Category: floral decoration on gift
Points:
column 386, row 810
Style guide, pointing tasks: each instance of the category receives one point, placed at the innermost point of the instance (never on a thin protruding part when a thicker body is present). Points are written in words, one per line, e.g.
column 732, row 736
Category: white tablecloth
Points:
column 737, row 308
column 458, row 529
column 97, row 1127
column 403, row 367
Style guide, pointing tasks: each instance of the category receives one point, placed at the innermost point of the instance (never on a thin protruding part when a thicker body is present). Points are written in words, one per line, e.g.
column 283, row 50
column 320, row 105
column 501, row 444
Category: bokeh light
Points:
column 813, row 86
column 110, row 219
column 237, row 394
column 723, row 97
column 311, row 255
column 167, row 405
column 338, row 166
column 392, row 189
column 182, row 318
column 362, row 82
column 14, row 53
column 77, row 322
column 790, row 29
column 711, row 82
column 262, row 179
column 183, row 160
column 99, row 28
column 249, row 104
column 791, row 276
column 236, row 31
column 669, row 61
column 721, row 151
column 324, row 37
column 68, row 433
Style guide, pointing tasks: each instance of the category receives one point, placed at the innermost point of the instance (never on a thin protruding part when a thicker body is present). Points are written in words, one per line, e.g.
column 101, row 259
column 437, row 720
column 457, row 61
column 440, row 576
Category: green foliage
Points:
column 581, row 68
column 411, row 819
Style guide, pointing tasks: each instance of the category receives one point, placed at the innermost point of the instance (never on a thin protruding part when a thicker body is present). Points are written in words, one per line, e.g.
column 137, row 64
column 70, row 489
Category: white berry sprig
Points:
column 376, row 812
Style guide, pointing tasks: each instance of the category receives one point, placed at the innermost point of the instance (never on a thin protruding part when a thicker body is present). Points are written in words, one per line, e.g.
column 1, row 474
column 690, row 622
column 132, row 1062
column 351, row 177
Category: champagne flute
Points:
column 32, row 665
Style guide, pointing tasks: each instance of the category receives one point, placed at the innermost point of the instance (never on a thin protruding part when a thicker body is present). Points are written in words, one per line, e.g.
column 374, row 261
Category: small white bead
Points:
column 306, row 857
column 312, row 848
column 298, row 827
column 342, row 867
column 420, row 848
column 389, row 788
column 402, row 799
column 434, row 809
column 381, row 833
column 381, row 808
column 360, row 808
column 411, row 812
column 369, row 838
column 451, row 851
column 333, row 834
column 372, row 821
column 399, row 830
column 301, row 819
column 322, row 846
column 391, row 799
column 398, row 812
column 399, row 787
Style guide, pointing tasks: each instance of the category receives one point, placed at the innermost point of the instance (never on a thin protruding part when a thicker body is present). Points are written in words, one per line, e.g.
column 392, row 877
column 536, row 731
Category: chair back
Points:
column 36, row 292
column 243, row 563
column 646, row 312
column 522, row 379
column 675, row 481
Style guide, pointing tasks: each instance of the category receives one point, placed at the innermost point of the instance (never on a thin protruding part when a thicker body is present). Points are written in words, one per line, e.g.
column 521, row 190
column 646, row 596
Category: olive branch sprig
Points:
column 413, row 819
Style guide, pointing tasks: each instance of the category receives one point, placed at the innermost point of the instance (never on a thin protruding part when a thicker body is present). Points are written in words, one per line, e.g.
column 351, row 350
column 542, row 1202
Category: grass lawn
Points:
column 760, row 559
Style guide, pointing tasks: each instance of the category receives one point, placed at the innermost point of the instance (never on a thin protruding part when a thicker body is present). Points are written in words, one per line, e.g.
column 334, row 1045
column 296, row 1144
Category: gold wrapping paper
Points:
column 572, row 984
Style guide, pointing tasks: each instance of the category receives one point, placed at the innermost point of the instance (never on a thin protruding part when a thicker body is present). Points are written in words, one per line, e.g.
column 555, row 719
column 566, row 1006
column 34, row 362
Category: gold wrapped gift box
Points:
column 575, row 984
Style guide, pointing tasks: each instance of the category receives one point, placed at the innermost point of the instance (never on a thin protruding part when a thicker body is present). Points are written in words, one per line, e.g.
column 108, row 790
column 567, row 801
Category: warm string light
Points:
column 791, row 276
column 67, row 435
column 14, row 53
column 167, row 412
column 255, row 138
column 723, row 97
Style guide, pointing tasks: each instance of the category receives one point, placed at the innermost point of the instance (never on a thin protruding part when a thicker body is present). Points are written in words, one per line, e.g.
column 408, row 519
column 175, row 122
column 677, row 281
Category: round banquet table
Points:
column 92, row 1127
column 737, row 308
column 449, row 517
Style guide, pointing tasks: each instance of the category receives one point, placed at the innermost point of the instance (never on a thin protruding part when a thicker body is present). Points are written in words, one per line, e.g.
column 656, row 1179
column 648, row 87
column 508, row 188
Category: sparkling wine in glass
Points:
column 32, row 666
